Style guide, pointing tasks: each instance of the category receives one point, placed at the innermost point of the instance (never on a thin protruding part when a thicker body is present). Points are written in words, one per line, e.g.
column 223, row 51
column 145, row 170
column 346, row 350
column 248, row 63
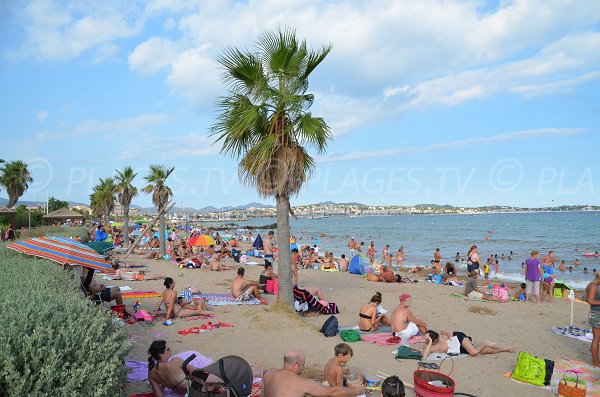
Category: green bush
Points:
column 55, row 231
column 52, row 341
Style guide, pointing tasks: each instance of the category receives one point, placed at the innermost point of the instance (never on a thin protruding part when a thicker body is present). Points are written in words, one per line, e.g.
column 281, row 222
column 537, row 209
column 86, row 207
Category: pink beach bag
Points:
column 273, row 286
column 501, row 293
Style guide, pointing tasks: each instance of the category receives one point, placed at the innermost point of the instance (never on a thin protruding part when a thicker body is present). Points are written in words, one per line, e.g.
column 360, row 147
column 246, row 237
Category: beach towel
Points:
column 140, row 294
column 302, row 295
column 583, row 334
column 138, row 370
column 227, row 299
column 204, row 328
column 387, row 339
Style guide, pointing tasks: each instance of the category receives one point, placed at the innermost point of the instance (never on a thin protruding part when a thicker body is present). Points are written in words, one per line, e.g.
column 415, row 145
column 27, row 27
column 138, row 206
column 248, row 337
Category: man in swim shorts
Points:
column 268, row 249
column 243, row 289
column 404, row 323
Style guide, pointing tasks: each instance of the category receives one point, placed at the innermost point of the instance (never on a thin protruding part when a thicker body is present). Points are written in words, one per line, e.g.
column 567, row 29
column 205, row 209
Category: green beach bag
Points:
column 350, row 335
column 534, row 370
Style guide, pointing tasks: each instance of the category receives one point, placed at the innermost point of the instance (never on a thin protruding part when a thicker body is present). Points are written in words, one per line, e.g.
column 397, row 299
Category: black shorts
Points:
column 460, row 336
column 105, row 295
column 268, row 259
column 472, row 267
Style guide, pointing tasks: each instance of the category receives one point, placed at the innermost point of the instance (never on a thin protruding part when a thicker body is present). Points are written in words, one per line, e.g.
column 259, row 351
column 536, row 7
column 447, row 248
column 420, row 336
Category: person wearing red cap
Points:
column 404, row 323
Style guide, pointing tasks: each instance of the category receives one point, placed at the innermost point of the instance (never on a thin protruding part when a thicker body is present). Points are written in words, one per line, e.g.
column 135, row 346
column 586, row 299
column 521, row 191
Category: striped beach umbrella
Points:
column 64, row 251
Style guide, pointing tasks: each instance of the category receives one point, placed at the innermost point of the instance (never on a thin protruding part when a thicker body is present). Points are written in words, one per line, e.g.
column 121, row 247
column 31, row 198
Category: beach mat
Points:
column 140, row 294
column 583, row 334
column 379, row 330
column 226, row 299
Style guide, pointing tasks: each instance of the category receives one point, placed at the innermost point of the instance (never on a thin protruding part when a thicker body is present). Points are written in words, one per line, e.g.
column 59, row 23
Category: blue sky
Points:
column 466, row 103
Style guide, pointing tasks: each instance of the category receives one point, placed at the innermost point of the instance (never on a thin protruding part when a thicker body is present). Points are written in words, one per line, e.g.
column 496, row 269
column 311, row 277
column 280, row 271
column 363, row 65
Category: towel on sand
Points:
column 574, row 332
column 141, row 294
column 385, row 339
column 226, row 299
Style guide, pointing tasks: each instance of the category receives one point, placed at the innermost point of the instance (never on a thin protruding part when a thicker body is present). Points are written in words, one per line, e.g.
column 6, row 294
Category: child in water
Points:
column 486, row 271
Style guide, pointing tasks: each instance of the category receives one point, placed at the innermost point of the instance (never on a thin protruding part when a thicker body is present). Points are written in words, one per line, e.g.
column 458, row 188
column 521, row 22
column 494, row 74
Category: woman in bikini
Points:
column 174, row 308
column 164, row 370
column 369, row 317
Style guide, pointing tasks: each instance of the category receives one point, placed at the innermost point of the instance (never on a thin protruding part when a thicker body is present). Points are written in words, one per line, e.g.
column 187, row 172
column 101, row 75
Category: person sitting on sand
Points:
column 266, row 275
column 404, row 323
column 243, row 289
column 343, row 263
column 335, row 367
column 370, row 318
column 214, row 262
column 288, row 382
column 174, row 309
column 106, row 294
column 458, row 342
column 472, row 290
column 520, row 293
column 164, row 370
column 449, row 269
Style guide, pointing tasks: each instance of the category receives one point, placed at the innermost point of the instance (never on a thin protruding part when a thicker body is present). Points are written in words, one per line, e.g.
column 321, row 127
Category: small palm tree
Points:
column 161, row 195
column 15, row 177
column 125, row 193
column 264, row 121
column 103, row 198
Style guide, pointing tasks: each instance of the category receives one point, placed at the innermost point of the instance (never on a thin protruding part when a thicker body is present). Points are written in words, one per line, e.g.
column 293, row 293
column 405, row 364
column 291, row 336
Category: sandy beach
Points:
column 262, row 333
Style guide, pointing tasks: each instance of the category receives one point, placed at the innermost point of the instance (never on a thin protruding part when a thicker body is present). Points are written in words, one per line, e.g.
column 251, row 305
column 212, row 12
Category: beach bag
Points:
column 120, row 311
column 142, row 315
column 330, row 327
column 534, row 370
column 568, row 388
column 272, row 286
column 350, row 335
column 501, row 293
column 432, row 383
column 408, row 353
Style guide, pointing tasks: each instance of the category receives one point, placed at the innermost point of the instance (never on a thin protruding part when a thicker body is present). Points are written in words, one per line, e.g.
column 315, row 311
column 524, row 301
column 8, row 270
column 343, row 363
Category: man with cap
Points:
column 404, row 323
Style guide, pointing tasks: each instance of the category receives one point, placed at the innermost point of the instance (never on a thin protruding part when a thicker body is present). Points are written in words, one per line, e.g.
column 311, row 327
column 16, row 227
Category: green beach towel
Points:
column 350, row 335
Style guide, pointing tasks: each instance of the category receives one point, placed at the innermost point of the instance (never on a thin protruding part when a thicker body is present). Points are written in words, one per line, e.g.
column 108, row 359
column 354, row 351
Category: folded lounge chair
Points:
column 302, row 296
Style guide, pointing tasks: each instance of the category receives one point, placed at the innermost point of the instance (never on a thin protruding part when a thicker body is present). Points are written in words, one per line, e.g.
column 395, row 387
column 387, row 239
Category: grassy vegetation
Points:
column 52, row 340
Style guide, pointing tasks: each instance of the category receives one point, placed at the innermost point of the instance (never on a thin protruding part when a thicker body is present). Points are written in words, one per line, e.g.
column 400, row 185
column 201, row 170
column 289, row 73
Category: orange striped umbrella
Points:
column 64, row 251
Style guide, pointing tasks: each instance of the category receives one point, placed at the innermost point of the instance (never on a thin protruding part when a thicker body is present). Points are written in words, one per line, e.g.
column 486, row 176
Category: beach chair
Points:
column 302, row 296
column 235, row 372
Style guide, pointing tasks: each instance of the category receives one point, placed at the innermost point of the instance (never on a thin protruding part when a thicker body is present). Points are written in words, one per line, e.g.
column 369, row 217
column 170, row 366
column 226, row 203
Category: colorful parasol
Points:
column 64, row 251
column 201, row 241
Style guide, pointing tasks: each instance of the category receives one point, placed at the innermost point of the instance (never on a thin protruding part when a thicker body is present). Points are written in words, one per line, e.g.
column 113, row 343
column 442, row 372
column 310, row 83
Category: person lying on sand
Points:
column 288, row 382
column 244, row 289
column 404, row 323
column 459, row 342
column 214, row 262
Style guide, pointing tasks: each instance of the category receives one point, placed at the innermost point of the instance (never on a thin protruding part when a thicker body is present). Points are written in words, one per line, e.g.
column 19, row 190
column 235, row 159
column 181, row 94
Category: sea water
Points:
column 568, row 234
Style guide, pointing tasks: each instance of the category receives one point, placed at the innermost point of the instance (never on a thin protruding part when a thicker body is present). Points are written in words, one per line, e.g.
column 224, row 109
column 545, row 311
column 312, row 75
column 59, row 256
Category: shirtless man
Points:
column 437, row 256
column 352, row 247
column 288, row 382
column 244, row 289
column 548, row 260
column 404, row 323
column 268, row 248
column 459, row 342
column 106, row 294
column 334, row 369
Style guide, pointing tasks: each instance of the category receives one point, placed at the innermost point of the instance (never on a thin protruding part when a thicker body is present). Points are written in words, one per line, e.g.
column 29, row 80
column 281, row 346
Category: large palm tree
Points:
column 161, row 195
column 103, row 198
column 15, row 177
column 125, row 193
column 265, row 122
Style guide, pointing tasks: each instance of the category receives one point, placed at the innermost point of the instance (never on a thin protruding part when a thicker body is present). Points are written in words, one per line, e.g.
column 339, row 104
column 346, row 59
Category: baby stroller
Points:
column 233, row 370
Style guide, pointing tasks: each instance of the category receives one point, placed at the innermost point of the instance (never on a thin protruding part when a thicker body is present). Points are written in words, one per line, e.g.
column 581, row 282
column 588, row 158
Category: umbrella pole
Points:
column 148, row 227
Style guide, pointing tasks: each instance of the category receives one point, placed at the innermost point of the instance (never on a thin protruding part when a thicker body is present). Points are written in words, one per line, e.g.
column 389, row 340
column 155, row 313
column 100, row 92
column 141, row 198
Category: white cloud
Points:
column 42, row 115
column 153, row 55
column 460, row 144
column 169, row 147
column 65, row 30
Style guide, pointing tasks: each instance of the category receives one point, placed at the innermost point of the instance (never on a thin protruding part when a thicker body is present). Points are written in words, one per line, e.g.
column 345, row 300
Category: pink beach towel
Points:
column 382, row 339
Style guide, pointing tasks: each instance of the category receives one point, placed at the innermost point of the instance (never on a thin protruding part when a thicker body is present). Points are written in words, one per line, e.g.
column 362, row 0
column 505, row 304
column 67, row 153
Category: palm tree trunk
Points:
column 126, row 227
column 162, row 251
column 286, row 293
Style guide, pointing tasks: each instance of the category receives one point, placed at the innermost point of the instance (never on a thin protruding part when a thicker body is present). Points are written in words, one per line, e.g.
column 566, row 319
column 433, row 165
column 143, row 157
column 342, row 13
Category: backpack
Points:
column 330, row 327
column 534, row 370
